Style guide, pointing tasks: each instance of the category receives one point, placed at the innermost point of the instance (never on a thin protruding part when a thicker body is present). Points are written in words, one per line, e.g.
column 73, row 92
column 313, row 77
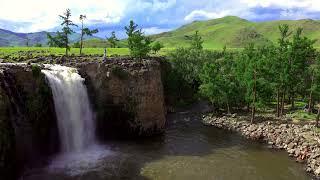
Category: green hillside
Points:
column 235, row 32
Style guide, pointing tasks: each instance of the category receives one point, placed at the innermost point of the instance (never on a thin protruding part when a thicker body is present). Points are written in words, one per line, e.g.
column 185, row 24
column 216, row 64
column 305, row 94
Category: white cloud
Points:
column 155, row 30
column 43, row 14
column 201, row 14
column 311, row 5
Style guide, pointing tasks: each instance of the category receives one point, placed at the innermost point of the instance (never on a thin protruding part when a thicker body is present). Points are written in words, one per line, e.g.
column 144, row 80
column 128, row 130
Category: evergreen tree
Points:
column 138, row 43
column 196, row 41
column 113, row 40
column 282, row 67
column 301, row 52
column 66, row 29
column 85, row 31
column 157, row 46
column 218, row 82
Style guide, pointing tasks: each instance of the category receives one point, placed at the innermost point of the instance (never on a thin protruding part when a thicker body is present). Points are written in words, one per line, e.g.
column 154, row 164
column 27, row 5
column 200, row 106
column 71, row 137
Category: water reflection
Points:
column 188, row 150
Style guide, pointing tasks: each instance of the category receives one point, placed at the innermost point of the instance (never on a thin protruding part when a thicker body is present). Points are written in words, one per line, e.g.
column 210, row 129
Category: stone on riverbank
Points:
column 301, row 142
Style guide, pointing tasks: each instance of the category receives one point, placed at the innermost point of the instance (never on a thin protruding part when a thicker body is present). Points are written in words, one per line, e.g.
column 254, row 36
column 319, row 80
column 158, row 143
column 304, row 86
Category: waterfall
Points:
column 72, row 106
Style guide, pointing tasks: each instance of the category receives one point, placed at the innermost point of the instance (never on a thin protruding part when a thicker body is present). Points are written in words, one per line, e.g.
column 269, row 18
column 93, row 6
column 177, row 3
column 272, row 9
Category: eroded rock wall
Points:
column 27, row 116
column 127, row 95
column 6, row 136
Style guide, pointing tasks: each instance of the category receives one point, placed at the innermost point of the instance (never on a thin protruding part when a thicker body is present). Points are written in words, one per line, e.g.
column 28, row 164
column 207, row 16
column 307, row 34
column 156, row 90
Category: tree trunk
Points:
column 282, row 103
column 81, row 39
column 292, row 101
column 254, row 97
column 310, row 95
column 67, row 42
column 228, row 107
column 278, row 102
column 318, row 115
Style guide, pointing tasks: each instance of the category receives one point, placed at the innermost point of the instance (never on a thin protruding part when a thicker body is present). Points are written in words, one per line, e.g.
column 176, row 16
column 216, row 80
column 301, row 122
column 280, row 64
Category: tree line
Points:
column 255, row 77
column 139, row 44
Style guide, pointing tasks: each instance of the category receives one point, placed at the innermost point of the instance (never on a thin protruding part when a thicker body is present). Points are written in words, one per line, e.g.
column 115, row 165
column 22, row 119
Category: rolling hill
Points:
column 235, row 32
column 9, row 38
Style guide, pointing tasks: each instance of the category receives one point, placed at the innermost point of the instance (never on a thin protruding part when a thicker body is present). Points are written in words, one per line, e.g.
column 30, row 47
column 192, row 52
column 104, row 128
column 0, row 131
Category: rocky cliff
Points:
column 28, row 125
column 127, row 95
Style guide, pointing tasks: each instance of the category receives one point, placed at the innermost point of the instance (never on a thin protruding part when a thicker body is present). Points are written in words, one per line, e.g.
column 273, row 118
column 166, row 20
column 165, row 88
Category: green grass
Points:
column 15, row 53
column 301, row 115
column 21, row 51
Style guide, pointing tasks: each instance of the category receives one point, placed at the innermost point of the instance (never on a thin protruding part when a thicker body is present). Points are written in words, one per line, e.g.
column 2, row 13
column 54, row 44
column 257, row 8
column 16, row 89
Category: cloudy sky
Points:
column 153, row 16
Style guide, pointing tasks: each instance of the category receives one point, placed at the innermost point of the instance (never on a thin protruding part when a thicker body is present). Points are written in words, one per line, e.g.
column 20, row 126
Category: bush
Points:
column 36, row 70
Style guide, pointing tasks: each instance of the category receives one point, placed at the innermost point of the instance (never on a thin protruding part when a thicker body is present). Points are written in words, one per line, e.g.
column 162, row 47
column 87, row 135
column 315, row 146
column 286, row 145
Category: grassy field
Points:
column 30, row 52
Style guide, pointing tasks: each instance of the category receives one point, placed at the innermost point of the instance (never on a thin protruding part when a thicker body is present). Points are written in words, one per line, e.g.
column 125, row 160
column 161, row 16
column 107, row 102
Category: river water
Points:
column 187, row 150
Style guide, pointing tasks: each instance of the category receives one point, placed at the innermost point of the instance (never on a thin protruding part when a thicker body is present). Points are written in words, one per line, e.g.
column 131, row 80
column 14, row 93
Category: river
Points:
column 187, row 150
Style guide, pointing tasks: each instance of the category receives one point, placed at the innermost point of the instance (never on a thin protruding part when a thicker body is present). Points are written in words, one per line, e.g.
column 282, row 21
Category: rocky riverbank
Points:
column 300, row 141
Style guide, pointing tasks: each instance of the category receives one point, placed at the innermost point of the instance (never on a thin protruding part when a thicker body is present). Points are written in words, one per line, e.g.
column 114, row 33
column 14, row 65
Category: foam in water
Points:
column 72, row 106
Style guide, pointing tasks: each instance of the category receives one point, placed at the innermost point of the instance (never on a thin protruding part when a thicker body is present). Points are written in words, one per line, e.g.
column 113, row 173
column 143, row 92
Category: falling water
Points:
column 74, row 114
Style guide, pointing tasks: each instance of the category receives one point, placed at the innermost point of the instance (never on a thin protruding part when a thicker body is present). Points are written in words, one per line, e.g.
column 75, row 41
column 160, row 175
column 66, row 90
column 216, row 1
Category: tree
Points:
column 113, row 40
column 314, row 90
column 250, row 75
column 76, row 45
column 281, row 67
column 27, row 42
column 138, row 43
column 196, row 41
column 157, row 46
column 56, row 41
column 85, row 31
column 301, row 54
column 315, row 87
column 61, row 39
column 38, row 45
column 251, row 71
column 218, row 82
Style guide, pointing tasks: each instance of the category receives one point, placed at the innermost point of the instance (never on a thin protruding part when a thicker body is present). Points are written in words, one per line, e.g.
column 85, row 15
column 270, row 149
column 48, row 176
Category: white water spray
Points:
column 73, row 111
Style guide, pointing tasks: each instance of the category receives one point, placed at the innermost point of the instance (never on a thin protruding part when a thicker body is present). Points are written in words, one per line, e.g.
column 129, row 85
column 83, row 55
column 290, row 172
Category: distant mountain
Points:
column 236, row 32
column 9, row 38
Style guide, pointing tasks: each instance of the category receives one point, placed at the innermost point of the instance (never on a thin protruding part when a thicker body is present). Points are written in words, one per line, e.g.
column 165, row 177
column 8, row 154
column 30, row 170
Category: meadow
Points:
column 30, row 52
column 17, row 52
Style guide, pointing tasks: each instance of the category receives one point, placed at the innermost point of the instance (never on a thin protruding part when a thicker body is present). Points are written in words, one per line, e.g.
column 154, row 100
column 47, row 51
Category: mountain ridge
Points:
column 236, row 32
column 10, row 38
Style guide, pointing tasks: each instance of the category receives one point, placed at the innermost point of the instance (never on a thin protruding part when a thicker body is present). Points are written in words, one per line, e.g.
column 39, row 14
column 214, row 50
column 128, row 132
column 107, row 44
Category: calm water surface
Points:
column 187, row 150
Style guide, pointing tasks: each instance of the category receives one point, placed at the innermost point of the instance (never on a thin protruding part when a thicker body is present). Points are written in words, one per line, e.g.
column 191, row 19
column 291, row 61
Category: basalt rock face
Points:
column 127, row 95
column 27, row 118
column 6, row 137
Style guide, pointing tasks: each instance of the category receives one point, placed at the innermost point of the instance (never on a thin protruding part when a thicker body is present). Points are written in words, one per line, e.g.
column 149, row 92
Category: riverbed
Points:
column 187, row 150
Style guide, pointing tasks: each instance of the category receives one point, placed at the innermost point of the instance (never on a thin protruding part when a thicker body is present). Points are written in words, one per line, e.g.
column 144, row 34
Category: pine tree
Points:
column 157, row 46
column 113, row 40
column 138, row 43
column 85, row 31
column 66, row 29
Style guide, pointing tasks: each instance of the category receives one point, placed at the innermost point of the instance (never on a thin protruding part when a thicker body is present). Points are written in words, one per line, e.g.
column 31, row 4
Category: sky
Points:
column 153, row 16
